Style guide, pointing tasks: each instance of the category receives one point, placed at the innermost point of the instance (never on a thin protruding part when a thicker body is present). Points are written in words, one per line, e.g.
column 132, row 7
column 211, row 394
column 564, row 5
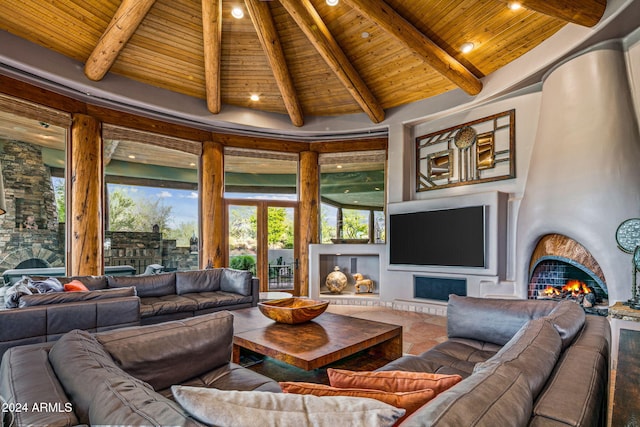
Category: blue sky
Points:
column 184, row 203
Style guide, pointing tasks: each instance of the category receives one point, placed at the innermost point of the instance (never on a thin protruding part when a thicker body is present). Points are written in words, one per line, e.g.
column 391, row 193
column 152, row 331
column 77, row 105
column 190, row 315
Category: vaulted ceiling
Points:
column 300, row 57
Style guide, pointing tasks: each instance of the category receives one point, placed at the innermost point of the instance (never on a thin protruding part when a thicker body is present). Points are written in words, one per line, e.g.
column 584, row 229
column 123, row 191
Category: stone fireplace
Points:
column 30, row 233
column 583, row 174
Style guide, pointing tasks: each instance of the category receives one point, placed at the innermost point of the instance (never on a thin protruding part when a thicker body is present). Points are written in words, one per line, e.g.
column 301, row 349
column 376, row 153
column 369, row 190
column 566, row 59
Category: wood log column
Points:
column 212, row 205
column 308, row 214
column 86, row 231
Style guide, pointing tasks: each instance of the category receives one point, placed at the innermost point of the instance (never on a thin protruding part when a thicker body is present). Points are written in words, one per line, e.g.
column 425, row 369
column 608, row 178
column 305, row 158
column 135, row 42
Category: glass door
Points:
column 261, row 237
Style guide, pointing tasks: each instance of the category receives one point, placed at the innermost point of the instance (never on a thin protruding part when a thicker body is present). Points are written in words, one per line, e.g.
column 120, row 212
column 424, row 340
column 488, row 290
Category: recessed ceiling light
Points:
column 254, row 97
column 466, row 47
column 237, row 12
column 131, row 156
column 514, row 5
column 338, row 166
column 365, row 35
column 192, row 164
column 333, row 2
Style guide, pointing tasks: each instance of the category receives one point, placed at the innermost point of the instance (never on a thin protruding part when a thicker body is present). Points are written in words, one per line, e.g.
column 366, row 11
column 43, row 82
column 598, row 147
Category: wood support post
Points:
column 309, row 208
column 86, row 231
column 212, row 205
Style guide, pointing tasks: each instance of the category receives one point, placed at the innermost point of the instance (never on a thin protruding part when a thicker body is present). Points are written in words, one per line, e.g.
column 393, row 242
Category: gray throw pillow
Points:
column 248, row 408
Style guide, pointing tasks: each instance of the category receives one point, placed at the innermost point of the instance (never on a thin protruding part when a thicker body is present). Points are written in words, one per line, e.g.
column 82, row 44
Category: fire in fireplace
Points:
column 574, row 290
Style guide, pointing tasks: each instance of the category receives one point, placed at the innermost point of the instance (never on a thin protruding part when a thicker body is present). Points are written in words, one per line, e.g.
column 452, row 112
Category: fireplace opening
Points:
column 33, row 263
column 562, row 269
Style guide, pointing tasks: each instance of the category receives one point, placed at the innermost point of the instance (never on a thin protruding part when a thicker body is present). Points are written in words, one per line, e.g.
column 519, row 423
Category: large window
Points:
column 352, row 196
column 32, row 186
column 151, row 218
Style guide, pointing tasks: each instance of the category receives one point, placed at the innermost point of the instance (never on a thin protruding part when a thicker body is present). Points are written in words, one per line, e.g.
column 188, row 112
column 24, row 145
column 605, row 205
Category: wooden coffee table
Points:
column 324, row 340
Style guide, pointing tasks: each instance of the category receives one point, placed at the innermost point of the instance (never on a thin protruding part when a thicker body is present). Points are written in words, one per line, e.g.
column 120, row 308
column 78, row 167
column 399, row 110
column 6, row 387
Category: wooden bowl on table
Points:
column 292, row 310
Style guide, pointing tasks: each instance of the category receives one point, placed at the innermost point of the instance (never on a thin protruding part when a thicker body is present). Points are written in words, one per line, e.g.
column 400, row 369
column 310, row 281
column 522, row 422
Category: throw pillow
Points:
column 410, row 401
column 246, row 408
column 392, row 381
column 75, row 286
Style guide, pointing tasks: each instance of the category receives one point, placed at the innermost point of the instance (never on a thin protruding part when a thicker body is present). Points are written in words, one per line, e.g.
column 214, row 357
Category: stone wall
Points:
column 29, row 229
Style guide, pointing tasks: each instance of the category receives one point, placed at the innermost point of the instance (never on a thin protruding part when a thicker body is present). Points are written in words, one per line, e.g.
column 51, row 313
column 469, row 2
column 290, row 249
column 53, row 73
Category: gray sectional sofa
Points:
column 523, row 363
column 118, row 301
column 536, row 363
column 123, row 377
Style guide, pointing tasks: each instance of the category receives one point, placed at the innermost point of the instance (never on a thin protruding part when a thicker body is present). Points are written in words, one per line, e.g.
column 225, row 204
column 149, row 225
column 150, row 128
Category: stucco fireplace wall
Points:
column 584, row 174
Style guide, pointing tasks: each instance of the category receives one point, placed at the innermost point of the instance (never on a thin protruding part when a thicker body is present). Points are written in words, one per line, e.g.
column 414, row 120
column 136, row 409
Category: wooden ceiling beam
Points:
column 402, row 30
column 124, row 23
column 263, row 22
column 582, row 12
column 212, row 38
column 309, row 21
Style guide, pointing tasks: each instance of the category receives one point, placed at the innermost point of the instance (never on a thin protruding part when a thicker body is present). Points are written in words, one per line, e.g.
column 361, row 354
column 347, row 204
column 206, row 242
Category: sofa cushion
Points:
column 168, row 304
column 63, row 297
column 155, row 285
column 534, row 351
column 393, row 381
column 172, row 352
column 230, row 376
column 248, row 408
column 119, row 400
column 410, row 401
column 491, row 320
column 80, row 362
column 27, row 377
column 205, row 300
column 236, row 281
column 496, row 396
column 198, row 281
column 568, row 319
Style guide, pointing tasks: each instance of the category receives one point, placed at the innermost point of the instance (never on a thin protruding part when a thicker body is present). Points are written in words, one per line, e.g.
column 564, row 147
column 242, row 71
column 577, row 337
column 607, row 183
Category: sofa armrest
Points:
column 255, row 291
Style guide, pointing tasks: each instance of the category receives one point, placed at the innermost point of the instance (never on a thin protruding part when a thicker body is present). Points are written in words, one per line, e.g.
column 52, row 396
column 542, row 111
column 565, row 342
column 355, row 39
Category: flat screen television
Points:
column 447, row 237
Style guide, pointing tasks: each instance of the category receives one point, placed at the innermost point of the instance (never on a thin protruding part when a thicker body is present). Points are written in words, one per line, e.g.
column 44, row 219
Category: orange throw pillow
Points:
column 392, row 381
column 75, row 286
column 410, row 401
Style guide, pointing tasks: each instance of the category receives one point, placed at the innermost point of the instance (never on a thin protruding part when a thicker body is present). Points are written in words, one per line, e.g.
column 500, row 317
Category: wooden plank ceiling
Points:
column 301, row 57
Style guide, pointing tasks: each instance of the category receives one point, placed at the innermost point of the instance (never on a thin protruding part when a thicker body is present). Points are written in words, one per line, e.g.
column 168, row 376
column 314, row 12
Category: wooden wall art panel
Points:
column 483, row 150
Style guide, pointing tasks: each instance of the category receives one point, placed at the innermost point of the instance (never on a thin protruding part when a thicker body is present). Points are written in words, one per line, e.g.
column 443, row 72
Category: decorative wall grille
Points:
column 479, row 151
